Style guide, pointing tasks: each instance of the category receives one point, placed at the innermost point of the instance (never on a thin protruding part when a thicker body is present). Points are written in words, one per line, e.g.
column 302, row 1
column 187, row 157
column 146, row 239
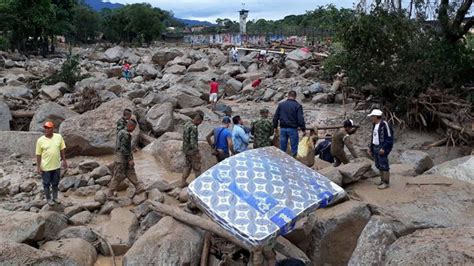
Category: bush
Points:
column 70, row 73
column 3, row 43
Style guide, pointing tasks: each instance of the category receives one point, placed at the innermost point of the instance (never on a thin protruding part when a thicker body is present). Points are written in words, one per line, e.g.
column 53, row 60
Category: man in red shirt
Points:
column 213, row 93
column 256, row 83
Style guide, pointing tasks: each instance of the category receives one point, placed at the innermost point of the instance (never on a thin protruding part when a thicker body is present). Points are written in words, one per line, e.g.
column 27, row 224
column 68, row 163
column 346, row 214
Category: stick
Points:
column 428, row 184
column 145, row 139
column 205, row 250
column 22, row 114
column 438, row 143
column 283, row 246
column 108, row 246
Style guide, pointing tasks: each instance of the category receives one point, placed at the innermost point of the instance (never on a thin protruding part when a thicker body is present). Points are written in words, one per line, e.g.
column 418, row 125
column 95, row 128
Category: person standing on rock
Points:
column 289, row 116
column 50, row 150
column 234, row 53
column 240, row 137
column 341, row 139
column 262, row 130
column 213, row 93
column 123, row 121
column 222, row 144
column 126, row 71
column 124, row 165
column 191, row 149
column 380, row 146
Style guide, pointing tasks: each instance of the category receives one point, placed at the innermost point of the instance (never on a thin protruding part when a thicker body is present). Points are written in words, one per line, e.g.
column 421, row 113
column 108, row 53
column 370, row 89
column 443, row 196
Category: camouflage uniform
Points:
column 191, row 150
column 340, row 139
column 262, row 130
column 122, row 168
column 121, row 124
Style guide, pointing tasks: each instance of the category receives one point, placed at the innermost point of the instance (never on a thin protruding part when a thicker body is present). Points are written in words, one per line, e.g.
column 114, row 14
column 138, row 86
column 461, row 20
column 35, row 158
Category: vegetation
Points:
column 70, row 72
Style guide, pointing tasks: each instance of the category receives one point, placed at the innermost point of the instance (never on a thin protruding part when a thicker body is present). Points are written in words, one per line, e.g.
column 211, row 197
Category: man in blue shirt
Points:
column 289, row 116
column 240, row 138
column 323, row 150
column 222, row 144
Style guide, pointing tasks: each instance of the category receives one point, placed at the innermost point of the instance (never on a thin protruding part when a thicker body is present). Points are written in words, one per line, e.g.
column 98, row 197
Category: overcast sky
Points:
column 210, row 10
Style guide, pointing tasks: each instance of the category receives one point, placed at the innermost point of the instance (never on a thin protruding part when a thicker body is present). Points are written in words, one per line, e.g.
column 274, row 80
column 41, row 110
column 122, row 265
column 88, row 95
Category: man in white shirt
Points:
column 381, row 146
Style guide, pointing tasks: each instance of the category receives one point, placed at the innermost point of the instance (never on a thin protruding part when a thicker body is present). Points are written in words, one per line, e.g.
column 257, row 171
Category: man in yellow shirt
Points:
column 50, row 150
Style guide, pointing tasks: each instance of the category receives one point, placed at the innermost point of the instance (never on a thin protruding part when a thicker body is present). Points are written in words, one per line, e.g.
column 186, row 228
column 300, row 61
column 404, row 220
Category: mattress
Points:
column 260, row 194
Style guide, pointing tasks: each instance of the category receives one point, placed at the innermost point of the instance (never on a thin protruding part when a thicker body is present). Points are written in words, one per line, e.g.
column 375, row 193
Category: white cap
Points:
column 375, row 112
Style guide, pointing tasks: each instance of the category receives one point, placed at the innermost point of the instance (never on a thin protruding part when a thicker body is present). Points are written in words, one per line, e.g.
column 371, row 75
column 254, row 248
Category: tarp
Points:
column 261, row 193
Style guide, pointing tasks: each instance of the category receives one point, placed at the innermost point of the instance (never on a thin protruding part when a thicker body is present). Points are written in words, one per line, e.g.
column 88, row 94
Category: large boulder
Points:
column 232, row 87
column 50, row 111
column 182, row 61
column 160, row 118
column 247, row 60
column 5, row 116
column 16, row 92
column 299, row 55
column 53, row 92
column 168, row 150
column 94, row 132
column 353, row 172
column 169, row 242
column 189, row 101
column 421, row 160
column 438, row 246
column 114, row 54
column 176, row 70
column 199, row 66
column 19, row 142
column 460, row 169
column 12, row 253
column 21, row 226
column 77, row 250
column 163, row 56
column 147, row 71
column 82, row 232
column 54, row 223
column 334, row 232
column 120, row 231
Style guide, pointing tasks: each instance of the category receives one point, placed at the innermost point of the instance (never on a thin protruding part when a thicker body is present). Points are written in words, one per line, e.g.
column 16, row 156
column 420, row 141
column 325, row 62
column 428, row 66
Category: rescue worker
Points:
column 340, row 139
column 380, row 146
column 323, row 149
column 124, row 166
column 191, row 149
column 262, row 130
column 122, row 122
column 222, row 144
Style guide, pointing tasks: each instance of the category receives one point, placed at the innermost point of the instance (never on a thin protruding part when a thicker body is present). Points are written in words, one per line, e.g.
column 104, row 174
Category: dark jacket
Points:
column 324, row 151
column 289, row 114
column 385, row 136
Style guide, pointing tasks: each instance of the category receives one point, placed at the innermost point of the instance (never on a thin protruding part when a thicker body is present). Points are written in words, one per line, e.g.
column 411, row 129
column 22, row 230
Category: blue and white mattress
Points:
column 260, row 194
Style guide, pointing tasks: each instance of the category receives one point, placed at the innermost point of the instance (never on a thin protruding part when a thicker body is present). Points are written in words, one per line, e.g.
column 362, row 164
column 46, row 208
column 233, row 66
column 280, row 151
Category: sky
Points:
column 210, row 10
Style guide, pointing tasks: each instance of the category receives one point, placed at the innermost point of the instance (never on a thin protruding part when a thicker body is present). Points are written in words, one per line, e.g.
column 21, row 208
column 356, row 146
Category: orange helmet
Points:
column 48, row 124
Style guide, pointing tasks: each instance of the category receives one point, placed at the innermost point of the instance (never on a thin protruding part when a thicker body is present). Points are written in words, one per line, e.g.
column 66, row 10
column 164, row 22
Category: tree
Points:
column 85, row 24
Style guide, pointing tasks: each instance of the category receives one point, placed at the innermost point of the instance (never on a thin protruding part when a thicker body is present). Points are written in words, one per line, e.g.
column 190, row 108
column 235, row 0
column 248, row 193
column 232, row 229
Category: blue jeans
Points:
column 381, row 161
column 51, row 179
column 292, row 134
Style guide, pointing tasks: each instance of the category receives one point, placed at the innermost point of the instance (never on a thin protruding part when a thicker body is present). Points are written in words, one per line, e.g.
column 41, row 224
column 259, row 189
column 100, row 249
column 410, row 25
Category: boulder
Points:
column 21, row 226
column 120, row 230
column 88, row 165
column 299, row 55
column 53, row 92
column 353, row 172
column 106, row 96
column 268, row 95
column 18, row 142
column 4, row 187
column 139, row 199
column 114, row 54
column 100, row 172
column 131, row 57
column 155, row 98
column 189, row 101
column 87, row 191
column 168, row 150
column 147, row 71
column 292, row 66
column 403, row 169
column 80, row 231
column 138, row 79
column 50, row 111
column 79, row 251
column 100, row 197
column 93, row 133
column 156, row 195
column 114, row 72
column 199, row 66
column 54, row 222
column 108, row 207
column 12, row 253
column 163, row 56
column 160, row 118
column 209, row 115
column 322, row 98
column 169, row 242
column 81, row 218
column 320, row 164
column 232, row 87
column 333, row 174
column 182, row 61
column 377, row 236
column 176, row 70
column 460, row 169
column 150, row 220
column 75, row 181
column 233, row 69
column 334, row 232
column 75, row 209
column 247, row 60
column 437, row 246
column 16, row 92
column 5, row 117
column 103, row 181
column 249, row 76
column 421, row 160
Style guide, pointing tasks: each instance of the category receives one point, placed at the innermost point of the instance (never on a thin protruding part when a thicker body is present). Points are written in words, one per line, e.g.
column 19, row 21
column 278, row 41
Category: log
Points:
column 146, row 139
column 23, row 114
column 428, row 184
column 282, row 245
column 437, row 143
column 205, row 250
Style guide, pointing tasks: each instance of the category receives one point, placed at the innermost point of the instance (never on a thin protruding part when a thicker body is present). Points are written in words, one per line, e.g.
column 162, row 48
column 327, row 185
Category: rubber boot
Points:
column 55, row 195
column 47, row 193
column 385, row 176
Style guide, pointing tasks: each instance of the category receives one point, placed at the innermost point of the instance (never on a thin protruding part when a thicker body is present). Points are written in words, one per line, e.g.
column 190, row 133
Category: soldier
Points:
column 340, row 139
column 122, row 122
column 191, row 149
column 262, row 130
column 124, row 166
